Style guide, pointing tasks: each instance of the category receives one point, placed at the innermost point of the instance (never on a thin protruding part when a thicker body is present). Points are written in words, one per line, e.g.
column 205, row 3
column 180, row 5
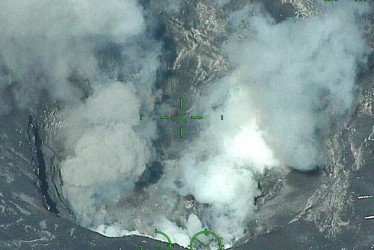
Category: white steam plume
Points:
column 44, row 42
column 300, row 76
column 42, row 45
column 291, row 81
column 106, row 155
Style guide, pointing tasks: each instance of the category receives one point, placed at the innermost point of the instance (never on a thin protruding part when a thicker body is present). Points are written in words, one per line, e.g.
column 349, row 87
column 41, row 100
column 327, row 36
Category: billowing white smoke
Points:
column 299, row 76
column 106, row 155
column 291, row 81
column 45, row 43
column 219, row 167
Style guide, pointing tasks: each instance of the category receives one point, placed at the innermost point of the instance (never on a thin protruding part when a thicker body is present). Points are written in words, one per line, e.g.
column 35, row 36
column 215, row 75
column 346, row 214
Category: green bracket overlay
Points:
column 193, row 240
column 182, row 118
column 170, row 246
column 205, row 232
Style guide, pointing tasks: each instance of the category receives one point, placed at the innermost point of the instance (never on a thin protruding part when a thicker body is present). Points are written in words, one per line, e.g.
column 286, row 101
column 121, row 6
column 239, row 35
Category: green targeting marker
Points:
column 196, row 241
column 166, row 117
column 196, row 117
column 181, row 117
column 181, row 103
column 181, row 132
column 170, row 246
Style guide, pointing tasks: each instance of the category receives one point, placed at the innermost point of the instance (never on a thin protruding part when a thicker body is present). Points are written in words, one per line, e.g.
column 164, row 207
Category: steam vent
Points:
column 186, row 124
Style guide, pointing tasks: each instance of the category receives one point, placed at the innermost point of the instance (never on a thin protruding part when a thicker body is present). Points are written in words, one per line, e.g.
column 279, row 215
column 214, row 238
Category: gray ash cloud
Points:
column 291, row 86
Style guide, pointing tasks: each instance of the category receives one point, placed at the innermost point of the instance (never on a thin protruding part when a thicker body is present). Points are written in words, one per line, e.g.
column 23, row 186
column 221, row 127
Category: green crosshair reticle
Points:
column 196, row 241
column 170, row 246
column 181, row 117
